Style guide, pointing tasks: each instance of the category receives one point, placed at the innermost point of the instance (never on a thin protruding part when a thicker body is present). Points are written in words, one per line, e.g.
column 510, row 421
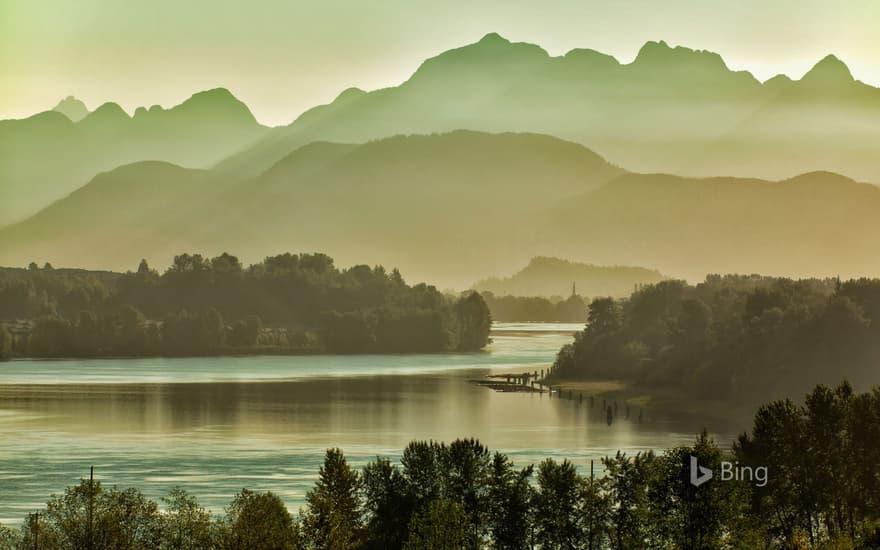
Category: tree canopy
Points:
column 286, row 303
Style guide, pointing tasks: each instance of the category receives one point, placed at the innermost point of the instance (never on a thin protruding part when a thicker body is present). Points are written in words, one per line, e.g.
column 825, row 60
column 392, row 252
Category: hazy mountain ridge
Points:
column 443, row 207
column 672, row 109
column 48, row 155
column 548, row 277
column 72, row 108
column 412, row 201
column 817, row 224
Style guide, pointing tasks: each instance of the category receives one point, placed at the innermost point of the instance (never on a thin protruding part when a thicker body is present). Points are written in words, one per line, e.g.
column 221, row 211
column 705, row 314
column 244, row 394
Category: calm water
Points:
column 216, row 425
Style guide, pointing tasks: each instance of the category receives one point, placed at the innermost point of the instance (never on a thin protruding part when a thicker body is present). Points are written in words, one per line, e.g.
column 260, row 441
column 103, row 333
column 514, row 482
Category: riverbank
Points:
column 215, row 425
column 667, row 403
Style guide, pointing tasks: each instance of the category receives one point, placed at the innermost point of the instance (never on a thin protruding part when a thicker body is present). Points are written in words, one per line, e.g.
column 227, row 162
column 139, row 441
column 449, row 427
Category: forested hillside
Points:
column 199, row 306
column 741, row 339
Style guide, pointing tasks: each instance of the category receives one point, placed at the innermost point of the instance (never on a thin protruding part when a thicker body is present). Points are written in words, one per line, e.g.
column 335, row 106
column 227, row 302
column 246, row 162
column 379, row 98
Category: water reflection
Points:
column 214, row 426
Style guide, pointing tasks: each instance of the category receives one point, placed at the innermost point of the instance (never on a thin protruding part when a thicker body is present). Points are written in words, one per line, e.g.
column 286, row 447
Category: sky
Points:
column 283, row 57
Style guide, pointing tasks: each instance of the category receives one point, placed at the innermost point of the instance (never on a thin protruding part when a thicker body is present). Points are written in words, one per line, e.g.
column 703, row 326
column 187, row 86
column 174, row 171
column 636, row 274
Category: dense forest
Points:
column 536, row 309
column 201, row 306
column 732, row 338
column 821, row 490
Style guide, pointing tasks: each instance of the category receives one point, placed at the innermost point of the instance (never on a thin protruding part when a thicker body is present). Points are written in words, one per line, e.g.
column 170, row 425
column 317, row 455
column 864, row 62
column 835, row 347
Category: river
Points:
column 216, row 425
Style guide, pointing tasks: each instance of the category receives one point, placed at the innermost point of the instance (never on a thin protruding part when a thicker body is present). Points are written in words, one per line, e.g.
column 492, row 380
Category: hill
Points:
column 817, row 224
column 440, row 207
column 48, row 155
column 550, row 277
column 444, row 207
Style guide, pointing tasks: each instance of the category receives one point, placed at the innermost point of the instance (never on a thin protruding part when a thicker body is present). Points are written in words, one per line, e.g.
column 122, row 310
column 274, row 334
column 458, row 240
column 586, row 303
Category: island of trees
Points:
column 821, row 491
column 290, row 303
column 734, row 339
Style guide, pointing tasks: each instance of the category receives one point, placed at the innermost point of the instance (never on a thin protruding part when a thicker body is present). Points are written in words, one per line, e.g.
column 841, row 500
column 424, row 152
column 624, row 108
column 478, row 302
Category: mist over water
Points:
column 216, row 425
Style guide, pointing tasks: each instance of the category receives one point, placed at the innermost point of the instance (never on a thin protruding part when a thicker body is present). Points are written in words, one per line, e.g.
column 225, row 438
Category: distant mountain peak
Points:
column 215, row 97
column 72, row 108
column 830, row 69
column 591, row 58
column 655, row 53
column 493, row 37
column 216, row 102
column 215, row 94
column 349, row 93
column 821, row 177
column 491, row 54
column 108, row 111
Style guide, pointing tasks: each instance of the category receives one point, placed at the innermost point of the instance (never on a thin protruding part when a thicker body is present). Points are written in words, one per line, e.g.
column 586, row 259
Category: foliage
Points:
column 440, row 526
column 333, row 520
column 535, row 309
column 185, row 524
column 737, row 338
column 257, row 521
column 821, row 492
column 200, row 306
column 5, row 344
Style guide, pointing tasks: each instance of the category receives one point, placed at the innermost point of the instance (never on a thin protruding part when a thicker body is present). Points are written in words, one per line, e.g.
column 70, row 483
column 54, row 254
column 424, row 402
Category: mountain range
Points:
column 487, row 156
column 444, row 207
column 46, row 156
column 436, row 205
column 671, row 110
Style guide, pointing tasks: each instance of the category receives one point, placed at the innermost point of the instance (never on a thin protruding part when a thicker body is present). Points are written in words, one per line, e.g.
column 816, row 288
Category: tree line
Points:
column 536, row 309
column 822, row 491
column 203, row 306
column 731, row 337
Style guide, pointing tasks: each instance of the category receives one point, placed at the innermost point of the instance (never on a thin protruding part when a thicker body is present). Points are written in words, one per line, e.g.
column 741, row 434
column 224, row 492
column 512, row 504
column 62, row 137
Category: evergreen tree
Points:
column 333, row 520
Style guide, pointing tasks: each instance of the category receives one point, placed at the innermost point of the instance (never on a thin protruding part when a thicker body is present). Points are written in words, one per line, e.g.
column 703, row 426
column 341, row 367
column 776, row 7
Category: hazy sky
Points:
column 282, row 57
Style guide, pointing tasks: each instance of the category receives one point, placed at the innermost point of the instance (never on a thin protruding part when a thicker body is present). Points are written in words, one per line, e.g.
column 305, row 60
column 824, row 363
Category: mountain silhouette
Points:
column 548, row 277
column 48, row 155
column 432, row 204
column 672, row 109
column 815, row 224
column 445, row 206
column 72, row 108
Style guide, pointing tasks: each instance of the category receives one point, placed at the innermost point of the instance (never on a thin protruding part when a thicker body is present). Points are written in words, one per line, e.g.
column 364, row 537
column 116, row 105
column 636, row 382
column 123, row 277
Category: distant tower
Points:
column 573, row 289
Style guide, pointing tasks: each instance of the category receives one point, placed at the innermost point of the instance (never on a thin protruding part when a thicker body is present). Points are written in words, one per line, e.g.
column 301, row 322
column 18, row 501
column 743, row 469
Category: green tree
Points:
column 692, row 518
column 185, row 524
column 423, row 471
column 466, row 468
column 125, row 518
column 440, row 526
column 5, row 343
column 388, row 505
column 626, row 482
column 9, row 539
column 88, row 517
column 37, row 532
column 603, row 316
column 333, row 518
column 257, row 521
column 246, row 332
column 596, row 512
column 558, row 522
column 474, row 322
column 508, row 504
